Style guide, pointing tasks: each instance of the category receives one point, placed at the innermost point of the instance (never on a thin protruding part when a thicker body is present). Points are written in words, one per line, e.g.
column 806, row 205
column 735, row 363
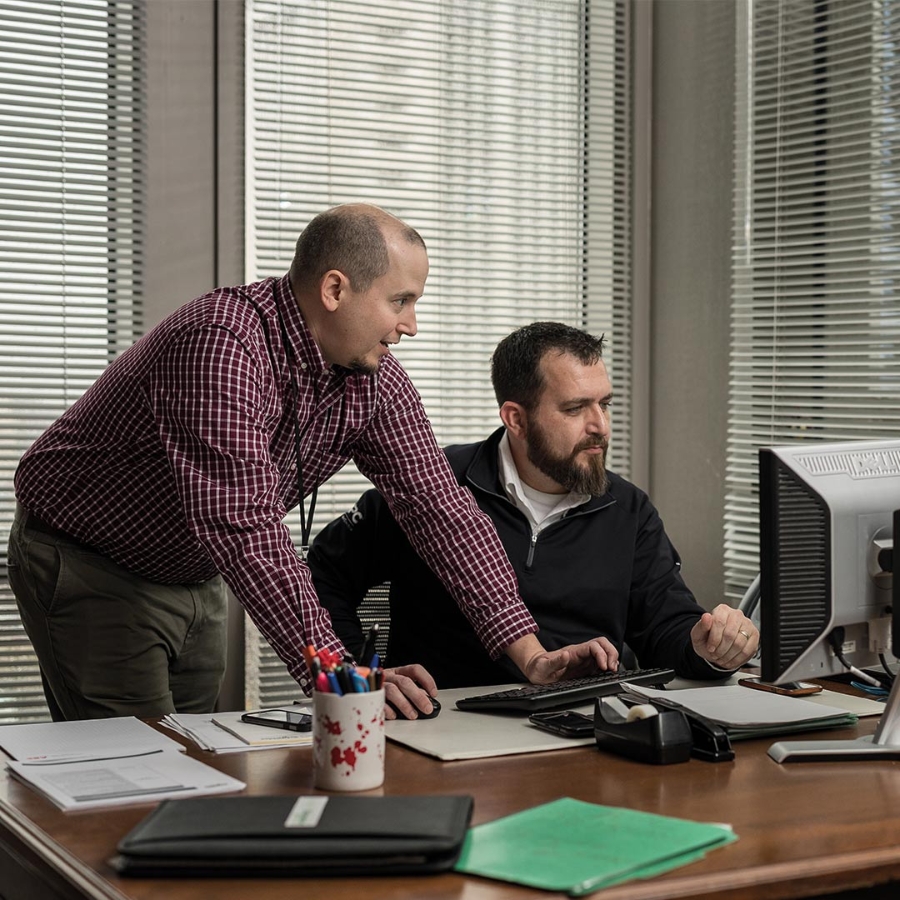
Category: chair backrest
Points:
column 375, row 607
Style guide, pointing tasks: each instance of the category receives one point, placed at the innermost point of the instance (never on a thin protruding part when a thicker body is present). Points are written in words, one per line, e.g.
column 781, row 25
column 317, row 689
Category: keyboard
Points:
column 530, row 697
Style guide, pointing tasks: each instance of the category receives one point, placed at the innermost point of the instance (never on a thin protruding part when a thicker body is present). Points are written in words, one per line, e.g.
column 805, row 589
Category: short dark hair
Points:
column 349, row 239
column 516, row 362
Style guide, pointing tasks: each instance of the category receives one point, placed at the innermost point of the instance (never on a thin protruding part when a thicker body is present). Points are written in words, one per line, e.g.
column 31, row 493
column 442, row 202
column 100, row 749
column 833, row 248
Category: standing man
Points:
column 588, row 548
column 172, row 475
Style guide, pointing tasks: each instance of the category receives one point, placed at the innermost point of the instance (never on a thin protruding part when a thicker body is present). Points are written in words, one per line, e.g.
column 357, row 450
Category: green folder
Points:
column 577, row 847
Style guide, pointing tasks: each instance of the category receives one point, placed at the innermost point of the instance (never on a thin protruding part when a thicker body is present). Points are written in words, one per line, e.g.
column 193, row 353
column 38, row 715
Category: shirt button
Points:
column 303, row 366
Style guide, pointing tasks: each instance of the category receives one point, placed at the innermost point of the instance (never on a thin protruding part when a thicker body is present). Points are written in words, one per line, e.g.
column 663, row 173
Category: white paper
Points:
column 118, row 782
column 200, row 728
column 262, row 735
column 740, row 707
column 82, row 740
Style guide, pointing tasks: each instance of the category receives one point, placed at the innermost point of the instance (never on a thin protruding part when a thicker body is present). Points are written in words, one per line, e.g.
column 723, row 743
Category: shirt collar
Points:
column 302, row 346
column 512, row 486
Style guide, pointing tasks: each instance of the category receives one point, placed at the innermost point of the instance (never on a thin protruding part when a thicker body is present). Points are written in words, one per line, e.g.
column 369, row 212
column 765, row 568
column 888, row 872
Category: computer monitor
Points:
column 827, row 520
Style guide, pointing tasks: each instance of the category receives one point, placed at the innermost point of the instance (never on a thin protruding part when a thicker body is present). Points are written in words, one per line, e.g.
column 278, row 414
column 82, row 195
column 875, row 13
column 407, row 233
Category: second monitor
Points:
column 826, row 533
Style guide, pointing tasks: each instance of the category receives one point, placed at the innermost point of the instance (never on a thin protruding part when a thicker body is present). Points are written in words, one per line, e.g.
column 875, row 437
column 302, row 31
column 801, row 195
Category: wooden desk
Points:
column 806, row 829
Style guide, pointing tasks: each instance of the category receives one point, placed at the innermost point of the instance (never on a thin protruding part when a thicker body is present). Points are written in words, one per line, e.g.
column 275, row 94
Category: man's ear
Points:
column 515, row 418
column 332, row 288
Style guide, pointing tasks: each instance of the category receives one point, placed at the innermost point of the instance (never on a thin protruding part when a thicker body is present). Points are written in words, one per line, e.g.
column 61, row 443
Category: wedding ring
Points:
column 744, row 633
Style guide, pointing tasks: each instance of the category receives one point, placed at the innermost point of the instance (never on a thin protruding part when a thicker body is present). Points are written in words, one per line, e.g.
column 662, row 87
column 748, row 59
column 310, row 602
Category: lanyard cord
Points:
column 305, row 524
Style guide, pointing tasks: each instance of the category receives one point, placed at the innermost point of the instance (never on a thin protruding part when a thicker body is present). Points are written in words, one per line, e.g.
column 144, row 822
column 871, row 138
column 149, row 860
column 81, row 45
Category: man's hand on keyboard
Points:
column 572, row 661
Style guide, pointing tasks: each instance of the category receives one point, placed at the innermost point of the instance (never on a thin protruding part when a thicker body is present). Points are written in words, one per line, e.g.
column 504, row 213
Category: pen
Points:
column 368, row 647
column 333, row 684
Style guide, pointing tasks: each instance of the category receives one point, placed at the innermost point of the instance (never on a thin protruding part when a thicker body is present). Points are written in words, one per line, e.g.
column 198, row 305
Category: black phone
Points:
column 279, row 718
column 564, row 722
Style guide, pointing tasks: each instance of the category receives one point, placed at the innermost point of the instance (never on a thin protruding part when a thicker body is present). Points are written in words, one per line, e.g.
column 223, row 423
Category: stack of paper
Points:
column 578, row 847
column 224, row 732
column 261, row 735
column 106, row 762
column 745, row 713
column 95, row 739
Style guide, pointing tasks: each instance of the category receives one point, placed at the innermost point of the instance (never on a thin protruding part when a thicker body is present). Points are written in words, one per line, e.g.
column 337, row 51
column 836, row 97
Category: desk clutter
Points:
column 566, row 844
column 106, row 762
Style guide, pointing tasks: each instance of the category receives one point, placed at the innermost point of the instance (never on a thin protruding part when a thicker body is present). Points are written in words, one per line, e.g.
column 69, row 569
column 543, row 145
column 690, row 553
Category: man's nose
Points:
column 407, row 324
column 598, row 422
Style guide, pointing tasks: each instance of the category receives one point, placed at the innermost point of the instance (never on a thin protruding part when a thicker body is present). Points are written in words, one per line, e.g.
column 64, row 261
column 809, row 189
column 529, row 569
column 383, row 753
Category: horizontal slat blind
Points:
column 815, row 349
column 467, row 120
column 71, row 175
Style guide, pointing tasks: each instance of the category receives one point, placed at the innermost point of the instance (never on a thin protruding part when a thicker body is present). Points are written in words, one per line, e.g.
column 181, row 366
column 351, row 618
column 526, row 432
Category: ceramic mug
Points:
column 348, row 740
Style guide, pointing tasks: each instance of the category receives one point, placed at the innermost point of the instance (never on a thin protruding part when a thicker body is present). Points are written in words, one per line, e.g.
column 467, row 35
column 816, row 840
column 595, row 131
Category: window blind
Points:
column 815, row 339
column 499, row 130
column 71, row 169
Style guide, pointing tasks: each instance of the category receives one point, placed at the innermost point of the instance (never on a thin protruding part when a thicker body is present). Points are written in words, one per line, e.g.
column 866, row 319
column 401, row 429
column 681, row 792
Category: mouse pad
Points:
column 472, row 735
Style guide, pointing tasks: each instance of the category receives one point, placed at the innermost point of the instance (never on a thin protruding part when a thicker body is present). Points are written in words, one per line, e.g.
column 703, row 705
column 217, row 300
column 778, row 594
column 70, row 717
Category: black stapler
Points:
column 710, row 739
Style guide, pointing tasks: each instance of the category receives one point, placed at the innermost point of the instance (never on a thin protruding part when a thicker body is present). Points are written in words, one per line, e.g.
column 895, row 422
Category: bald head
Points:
column 351, row 239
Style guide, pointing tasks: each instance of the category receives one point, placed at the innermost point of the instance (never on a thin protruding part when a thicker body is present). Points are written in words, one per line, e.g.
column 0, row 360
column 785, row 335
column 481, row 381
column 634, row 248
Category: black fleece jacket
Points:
column 606, row 568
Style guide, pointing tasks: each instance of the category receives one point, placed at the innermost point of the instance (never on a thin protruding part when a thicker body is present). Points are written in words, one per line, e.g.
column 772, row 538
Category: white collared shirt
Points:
column 540, row 508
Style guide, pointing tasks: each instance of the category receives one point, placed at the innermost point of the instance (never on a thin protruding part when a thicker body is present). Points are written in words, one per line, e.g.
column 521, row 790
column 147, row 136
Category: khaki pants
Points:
column 109, row 642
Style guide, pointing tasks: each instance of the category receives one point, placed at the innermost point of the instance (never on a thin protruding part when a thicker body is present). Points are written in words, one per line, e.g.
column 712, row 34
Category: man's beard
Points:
column 361, row 367
column 582, row 478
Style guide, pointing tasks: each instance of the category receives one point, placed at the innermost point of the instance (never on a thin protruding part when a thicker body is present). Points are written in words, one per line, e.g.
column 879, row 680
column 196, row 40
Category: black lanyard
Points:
column 305, row 523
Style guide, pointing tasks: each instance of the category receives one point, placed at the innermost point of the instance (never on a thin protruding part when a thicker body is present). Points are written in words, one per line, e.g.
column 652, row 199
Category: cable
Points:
column 836, row 639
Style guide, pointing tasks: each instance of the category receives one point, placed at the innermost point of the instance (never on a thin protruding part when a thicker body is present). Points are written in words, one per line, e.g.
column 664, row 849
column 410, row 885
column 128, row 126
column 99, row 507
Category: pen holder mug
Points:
column 348, row 740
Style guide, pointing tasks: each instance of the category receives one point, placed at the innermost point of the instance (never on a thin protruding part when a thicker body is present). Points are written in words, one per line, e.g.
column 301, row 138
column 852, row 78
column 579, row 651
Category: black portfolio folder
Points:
column 216, row 836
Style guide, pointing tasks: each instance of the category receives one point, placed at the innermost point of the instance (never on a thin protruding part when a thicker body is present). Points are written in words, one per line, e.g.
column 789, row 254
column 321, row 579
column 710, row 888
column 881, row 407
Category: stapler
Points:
column 710, row 740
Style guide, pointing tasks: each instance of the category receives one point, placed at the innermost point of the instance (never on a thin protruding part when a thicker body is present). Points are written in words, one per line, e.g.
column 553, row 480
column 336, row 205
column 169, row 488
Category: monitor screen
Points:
column 826, row 526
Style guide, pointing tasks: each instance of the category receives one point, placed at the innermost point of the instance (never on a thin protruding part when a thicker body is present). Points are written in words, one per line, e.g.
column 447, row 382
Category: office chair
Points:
column 375, row 607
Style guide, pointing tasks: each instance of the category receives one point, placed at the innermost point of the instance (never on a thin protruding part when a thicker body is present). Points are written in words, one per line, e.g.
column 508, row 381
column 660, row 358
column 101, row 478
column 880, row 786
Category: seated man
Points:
column 589, row 549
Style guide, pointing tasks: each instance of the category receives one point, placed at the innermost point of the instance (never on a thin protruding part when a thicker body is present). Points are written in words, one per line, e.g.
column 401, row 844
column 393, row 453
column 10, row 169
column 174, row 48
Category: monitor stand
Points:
column 884, row 744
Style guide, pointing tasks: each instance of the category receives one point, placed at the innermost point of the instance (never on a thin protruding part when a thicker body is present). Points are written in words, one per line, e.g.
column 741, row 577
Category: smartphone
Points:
column 289, row 719
column 788, row 689
column 564, row 722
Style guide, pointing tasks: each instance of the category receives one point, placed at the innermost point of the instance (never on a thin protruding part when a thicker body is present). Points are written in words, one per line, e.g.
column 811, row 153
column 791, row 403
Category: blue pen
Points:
column 376, row 662
column 335, row 687
column 360, row 685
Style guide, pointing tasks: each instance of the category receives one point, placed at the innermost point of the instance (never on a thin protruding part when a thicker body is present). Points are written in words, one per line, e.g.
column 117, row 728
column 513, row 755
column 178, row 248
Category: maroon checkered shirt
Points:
column 179, row 463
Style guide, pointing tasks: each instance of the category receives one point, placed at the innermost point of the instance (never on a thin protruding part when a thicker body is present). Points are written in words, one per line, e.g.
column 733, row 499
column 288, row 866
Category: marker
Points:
column 343, row 677
column 368, row 649
column 360, row 685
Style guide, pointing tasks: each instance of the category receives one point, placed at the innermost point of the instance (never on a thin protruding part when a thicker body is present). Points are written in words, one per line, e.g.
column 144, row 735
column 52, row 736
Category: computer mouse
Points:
column 435, row 709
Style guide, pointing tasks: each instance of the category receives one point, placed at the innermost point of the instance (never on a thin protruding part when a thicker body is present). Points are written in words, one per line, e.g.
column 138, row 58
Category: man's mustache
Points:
column 590, row 445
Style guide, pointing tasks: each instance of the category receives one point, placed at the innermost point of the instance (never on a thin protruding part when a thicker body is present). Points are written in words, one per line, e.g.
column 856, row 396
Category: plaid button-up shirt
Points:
column 179, row 462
